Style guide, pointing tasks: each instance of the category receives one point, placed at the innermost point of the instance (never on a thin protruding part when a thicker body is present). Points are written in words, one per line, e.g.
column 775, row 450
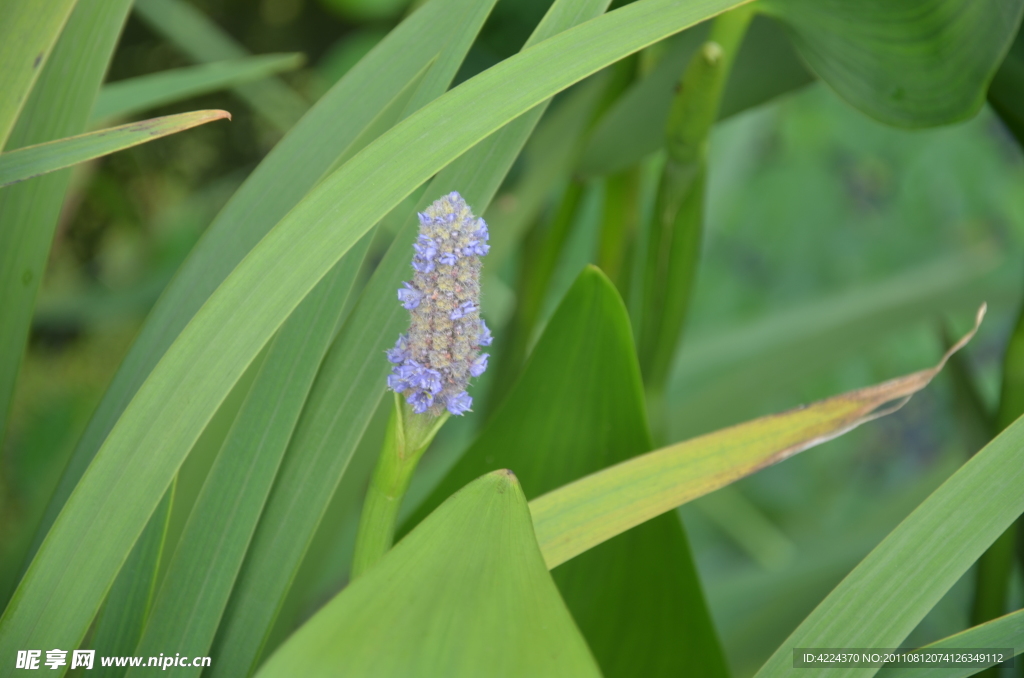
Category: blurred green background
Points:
column 839, row 253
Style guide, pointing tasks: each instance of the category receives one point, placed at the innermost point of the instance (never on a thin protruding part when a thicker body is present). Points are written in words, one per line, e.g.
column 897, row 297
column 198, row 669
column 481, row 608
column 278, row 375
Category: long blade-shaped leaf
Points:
column 583, row 514
column 202, row 40
column 202, row 572
column 33, row 161
column 199, row 579
column 349, row 387
column 579, row 407
column 26, row 37
column 895, row 586
column 129, row 600
column 1005, row 631
column 58, row 107
column 465, row 595
column 134, row 95
column 109, row 508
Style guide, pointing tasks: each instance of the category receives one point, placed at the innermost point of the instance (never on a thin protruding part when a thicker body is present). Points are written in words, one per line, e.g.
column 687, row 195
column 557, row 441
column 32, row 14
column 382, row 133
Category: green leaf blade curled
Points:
column 576, row 517
column 577, row 408
column 909, row 63
column 466, row 594
column 33, row 161
column 171, row 408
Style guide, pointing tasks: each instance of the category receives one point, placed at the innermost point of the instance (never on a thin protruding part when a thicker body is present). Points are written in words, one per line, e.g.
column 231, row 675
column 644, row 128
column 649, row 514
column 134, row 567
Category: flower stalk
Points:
column 408, row 436
column 432, row 362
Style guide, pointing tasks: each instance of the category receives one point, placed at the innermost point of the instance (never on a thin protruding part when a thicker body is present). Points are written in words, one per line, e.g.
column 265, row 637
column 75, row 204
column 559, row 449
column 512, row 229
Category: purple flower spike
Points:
column 434, row 361
column 460, row 403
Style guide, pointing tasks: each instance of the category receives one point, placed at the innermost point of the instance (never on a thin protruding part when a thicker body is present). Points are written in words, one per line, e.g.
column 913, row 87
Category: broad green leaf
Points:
column 26, row 38
column 465, row 594
column 577, row 408
column 767, row 66
column 58, row 107
column 1005, row 631
column 32, row 161
column 1005, row 92
column 349, row 388
column 895, row 586
column 911, row 63
column 128, row 603
column 335, row 127
column 202, row 40
column 134, row 95
column 181, row 393
column 198, row 582
column 578, row 516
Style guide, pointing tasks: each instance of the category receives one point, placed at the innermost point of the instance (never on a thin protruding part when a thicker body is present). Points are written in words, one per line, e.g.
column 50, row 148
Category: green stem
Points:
column 676, row 228
column 408, row 437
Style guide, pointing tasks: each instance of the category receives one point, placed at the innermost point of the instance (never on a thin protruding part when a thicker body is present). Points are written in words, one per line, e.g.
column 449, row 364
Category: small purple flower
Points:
column 428, row 380
column 479, row 365
column 425, row 247
column 409, row 296
column 400, row 352
column 485, row 337
column 481, row 231
column 459, row 403
column 421, row 265
column 448, row 258
column 421, row 401
column 464, row 309
column 402, row 376
column 476, row 247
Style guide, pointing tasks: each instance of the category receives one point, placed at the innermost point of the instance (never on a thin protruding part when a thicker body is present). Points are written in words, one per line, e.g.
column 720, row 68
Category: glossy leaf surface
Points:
column 464, row 594
column 911, row 63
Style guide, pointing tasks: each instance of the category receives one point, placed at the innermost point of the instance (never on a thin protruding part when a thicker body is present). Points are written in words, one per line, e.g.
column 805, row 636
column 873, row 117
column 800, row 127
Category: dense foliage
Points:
column 225, row 435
